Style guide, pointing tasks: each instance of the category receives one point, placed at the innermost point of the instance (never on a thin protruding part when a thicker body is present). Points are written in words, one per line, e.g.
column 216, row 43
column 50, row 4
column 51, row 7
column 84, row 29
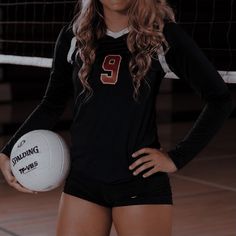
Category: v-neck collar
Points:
column 118, row 33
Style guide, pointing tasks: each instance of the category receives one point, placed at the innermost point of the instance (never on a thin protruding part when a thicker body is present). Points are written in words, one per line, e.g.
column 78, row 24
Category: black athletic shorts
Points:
column 154, row 189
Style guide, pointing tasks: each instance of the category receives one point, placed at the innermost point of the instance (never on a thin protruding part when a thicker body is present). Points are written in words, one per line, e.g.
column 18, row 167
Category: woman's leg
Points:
column 143, row 220
column 79, row 217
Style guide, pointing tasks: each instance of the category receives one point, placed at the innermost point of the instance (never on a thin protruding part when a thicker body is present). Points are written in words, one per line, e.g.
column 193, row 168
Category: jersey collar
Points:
column 118, row 33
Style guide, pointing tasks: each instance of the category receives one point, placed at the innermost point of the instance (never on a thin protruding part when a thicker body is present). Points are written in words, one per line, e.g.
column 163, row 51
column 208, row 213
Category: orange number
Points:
column 111, row 65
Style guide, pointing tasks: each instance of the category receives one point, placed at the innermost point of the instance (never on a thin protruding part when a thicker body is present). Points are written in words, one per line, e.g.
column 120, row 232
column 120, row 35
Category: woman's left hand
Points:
column 156, row 158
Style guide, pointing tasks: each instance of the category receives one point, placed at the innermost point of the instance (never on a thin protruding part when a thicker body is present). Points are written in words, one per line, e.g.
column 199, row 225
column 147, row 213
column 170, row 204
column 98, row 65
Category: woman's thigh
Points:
column 143, row 220
column 77, row 216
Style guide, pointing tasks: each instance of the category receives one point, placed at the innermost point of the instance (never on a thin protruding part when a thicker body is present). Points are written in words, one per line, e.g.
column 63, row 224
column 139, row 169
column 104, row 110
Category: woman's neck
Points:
column 115, row 21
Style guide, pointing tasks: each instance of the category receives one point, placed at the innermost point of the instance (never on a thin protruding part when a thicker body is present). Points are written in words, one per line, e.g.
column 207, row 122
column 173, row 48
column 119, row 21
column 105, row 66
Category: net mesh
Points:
column 28, row 30
column 212, row 25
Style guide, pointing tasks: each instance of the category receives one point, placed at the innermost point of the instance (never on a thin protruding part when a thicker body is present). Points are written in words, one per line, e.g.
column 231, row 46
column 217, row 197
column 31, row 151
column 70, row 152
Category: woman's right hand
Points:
column 11, row 179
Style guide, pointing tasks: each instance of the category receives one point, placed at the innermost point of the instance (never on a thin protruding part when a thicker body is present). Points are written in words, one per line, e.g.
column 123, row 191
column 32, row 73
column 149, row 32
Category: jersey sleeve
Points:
column 189, row 63
column 58, row 91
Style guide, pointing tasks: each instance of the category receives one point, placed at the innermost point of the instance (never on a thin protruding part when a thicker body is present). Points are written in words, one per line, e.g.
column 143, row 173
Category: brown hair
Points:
column 146, row 22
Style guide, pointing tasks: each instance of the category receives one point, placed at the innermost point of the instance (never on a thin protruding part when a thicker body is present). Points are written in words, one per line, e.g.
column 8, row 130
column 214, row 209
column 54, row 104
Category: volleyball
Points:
column 40, row 160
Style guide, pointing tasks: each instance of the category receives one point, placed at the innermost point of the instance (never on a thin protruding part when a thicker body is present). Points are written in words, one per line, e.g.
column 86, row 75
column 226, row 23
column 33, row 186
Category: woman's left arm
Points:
column 188, row 62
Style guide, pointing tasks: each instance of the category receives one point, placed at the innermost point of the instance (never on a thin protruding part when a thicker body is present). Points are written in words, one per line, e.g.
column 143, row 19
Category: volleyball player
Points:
column 111, row 59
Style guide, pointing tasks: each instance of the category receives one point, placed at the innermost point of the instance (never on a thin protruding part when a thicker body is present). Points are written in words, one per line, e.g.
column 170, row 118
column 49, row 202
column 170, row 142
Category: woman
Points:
column 112, row 59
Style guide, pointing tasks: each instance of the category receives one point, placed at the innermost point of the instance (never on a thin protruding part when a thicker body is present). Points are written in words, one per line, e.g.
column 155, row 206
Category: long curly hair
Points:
column 145, row 37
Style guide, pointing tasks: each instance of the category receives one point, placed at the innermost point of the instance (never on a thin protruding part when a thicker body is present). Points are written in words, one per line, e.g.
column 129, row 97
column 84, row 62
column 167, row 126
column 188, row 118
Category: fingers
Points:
column 152, row 171
column 140, row 161
column 11, row 180
column 6, row 170
column 8, row 175
column 143, row 151
column 145, row 162
column 156, row 158
column 20, row 188
column 143, row 167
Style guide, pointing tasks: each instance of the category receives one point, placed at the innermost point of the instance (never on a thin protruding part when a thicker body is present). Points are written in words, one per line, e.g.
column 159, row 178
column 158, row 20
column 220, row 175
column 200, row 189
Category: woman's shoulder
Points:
column 69, row 36
column 170, row 26
column 175, row 34
column 67, row 31
column 66, row 42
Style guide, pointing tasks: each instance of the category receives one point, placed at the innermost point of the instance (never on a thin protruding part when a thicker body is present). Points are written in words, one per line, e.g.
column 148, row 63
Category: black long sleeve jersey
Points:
column 109, row 127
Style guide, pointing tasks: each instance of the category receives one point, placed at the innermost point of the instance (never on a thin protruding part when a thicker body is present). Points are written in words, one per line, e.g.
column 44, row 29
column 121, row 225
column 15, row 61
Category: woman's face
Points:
column 116, row 5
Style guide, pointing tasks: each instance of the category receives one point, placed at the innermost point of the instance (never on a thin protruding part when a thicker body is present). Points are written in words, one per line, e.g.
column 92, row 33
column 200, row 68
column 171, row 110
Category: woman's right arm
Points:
column 51, row 107
column 58, row 92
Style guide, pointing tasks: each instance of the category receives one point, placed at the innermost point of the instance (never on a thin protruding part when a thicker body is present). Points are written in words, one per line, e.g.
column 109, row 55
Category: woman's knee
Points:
column 77, row 216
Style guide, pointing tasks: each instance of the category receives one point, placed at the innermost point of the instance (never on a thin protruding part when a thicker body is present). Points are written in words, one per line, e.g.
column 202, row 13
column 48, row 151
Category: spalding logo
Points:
column 21, row 143
column 25, row 154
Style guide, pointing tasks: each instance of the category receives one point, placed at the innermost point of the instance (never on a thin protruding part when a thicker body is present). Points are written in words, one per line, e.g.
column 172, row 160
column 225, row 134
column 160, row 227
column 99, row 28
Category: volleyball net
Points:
column 28, row 30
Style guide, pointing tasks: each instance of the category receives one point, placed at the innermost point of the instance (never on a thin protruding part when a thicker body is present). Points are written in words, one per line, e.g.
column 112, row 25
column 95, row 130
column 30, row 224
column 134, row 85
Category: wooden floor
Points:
column 204, row 192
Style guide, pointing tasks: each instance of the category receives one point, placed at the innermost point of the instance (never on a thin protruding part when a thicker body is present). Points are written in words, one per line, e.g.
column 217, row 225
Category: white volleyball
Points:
column 40, row 160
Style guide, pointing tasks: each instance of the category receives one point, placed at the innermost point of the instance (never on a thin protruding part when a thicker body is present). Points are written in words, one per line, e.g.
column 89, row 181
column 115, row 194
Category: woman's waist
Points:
column 116, row 179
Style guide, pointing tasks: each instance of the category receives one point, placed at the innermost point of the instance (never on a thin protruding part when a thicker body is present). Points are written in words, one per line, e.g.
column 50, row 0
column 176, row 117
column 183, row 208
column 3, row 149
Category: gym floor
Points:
column 204, row 191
